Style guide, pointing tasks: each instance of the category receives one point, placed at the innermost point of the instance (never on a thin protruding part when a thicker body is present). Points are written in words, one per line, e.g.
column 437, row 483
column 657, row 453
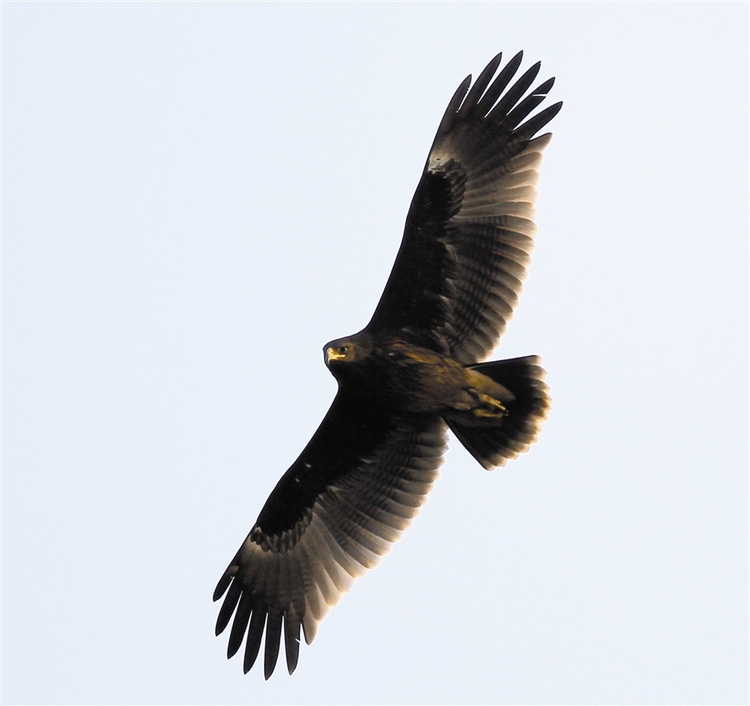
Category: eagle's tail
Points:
column 492, row 445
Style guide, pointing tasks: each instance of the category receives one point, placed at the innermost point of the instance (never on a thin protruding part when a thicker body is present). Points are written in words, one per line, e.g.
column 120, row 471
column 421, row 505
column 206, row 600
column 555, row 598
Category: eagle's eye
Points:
column 344, row 350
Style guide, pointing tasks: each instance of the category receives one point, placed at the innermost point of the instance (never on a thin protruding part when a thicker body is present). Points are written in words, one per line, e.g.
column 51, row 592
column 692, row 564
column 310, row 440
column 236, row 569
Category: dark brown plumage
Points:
column 414, row 369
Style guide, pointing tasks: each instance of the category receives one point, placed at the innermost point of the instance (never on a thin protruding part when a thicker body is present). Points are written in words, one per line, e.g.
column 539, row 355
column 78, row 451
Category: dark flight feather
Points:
column 353, row 518
column 414, row 370
column 471, row 221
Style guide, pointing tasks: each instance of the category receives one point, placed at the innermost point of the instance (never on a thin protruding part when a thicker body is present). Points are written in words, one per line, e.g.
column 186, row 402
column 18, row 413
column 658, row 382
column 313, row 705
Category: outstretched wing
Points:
column 470, row 228
column 355, row 488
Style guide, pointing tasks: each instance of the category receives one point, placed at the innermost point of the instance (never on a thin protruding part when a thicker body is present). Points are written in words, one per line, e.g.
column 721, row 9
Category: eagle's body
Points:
column 401, row 377
column 412, row 372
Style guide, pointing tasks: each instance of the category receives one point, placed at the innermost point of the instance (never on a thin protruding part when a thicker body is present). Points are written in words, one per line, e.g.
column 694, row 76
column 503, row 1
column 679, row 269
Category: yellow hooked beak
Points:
column 335, row 354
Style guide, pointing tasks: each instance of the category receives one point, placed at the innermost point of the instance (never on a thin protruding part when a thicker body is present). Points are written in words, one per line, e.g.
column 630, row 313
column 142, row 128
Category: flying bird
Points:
column 415, row 370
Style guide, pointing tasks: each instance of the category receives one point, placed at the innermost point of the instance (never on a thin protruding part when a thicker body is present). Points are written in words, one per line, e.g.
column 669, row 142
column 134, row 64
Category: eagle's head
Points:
column 341, row 354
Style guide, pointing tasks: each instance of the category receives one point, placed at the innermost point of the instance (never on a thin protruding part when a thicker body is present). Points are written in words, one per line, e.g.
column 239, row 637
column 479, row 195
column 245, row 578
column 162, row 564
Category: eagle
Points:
column 414, row 371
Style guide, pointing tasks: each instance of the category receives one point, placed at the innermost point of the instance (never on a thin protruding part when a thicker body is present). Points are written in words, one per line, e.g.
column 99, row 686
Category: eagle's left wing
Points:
column 470, row 228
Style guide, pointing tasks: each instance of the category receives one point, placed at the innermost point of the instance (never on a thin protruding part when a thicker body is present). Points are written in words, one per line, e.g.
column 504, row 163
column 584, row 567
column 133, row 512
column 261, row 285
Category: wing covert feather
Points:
column 470, row 228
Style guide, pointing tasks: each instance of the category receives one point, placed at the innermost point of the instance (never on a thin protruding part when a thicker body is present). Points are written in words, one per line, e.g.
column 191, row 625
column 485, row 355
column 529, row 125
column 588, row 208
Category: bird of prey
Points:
column 413, row 371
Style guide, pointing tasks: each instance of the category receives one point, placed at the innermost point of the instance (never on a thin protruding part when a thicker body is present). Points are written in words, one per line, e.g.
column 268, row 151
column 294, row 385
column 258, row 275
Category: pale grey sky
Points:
column 196, row 197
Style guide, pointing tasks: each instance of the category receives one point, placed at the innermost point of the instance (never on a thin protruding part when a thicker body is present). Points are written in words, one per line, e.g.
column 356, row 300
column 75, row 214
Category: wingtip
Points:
column 451, row 111
column 224, row 581
column 220, row 625
column 553, row 110
column 232, row 648
column 220, row 590
column 492, row 64
column 544, row 88
column 269, row 664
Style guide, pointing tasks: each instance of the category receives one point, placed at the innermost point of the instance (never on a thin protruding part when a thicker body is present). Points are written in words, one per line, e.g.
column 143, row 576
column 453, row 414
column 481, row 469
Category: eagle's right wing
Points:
column 349, row 496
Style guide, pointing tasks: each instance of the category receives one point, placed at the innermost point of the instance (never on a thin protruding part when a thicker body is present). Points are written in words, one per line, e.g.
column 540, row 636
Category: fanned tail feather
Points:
column 494, row 445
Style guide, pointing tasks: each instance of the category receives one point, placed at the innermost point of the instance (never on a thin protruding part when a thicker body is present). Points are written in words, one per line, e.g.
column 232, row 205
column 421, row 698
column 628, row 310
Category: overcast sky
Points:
column 196, row 197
